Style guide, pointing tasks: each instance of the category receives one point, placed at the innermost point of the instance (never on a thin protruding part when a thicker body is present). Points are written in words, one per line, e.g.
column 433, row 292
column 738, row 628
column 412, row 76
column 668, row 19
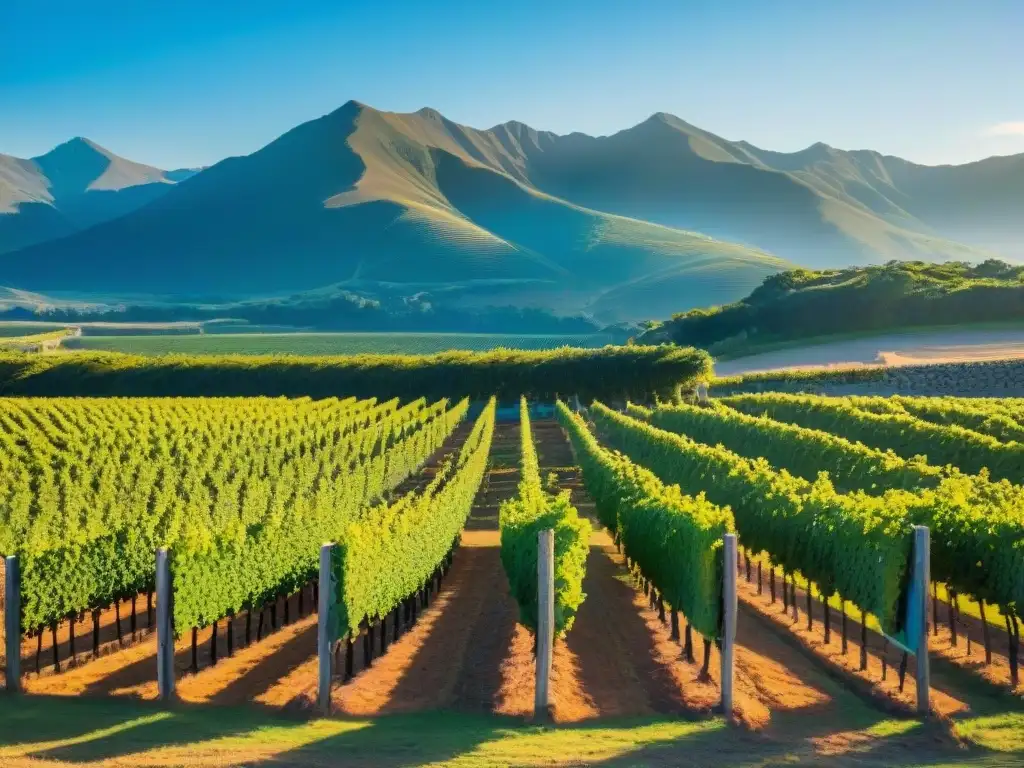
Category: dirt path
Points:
column 452, row 657
column 902, row 348
column 958, row 691
column 620, row 664
column 132, row 670
column 969, row 650
column 468, row 653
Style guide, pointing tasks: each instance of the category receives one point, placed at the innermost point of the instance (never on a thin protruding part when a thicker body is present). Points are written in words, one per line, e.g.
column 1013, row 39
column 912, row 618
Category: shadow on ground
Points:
column 78, row 731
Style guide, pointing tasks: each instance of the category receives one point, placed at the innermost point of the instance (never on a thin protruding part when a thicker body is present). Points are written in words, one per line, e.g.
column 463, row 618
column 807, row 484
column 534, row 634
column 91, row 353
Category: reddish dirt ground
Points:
column 132, row 670
column 952, row 691
column 39, row 648
column 969, row 650
column 966, row 656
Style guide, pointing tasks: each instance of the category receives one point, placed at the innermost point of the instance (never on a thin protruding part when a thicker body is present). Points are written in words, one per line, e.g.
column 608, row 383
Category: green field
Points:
column 330, row 343
column 27, row 328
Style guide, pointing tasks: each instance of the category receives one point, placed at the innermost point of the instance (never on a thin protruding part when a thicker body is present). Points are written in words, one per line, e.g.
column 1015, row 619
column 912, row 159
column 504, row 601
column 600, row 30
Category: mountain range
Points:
column 652, row 220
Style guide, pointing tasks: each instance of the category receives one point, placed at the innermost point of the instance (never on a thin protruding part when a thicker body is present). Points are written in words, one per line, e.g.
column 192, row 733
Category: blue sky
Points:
column 188, row 83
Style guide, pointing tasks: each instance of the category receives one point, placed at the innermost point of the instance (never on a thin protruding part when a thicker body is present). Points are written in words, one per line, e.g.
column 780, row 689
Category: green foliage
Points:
column 804, row 452
column 977, row 537
column 236, row 488
column 854, row 544
column 631, row 371
column 35, row 339
column 903, row 434
column 767, row 381
column 254, row 555
column 802, row 302
column 387, row 552
column 675, row 539
column 521, row 519
column 985, row 417
column 977, row 526
column 1011, row 406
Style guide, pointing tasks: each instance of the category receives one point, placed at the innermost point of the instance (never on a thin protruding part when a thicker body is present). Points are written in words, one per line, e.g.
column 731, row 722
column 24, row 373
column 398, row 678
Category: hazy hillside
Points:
column 804, row 303
column 646, row 222
column 816, row 207
column 363, row 198
column 978, row 203
column 70, row 188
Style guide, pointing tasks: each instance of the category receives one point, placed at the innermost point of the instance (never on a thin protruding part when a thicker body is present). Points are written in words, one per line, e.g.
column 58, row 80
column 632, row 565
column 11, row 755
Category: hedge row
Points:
column 611, row 373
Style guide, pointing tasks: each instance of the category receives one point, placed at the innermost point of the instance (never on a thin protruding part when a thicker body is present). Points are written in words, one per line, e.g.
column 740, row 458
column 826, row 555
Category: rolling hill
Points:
column 646, row 222
column 805, row 304
column 70, row 188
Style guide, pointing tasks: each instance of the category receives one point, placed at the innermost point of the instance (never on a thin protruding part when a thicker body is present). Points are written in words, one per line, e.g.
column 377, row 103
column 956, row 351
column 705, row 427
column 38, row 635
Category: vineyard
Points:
column 826, row 577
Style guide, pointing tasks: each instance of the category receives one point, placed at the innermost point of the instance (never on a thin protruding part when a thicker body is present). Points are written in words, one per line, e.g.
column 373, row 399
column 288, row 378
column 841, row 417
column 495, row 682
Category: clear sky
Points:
column 187, row 82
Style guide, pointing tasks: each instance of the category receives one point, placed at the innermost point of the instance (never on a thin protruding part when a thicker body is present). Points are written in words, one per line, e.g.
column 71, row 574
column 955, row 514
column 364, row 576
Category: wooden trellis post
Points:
column 729, row 606
column 545, row 619
column 164, row 626
column 920, row 587
column 324, row 640
column 12, row 623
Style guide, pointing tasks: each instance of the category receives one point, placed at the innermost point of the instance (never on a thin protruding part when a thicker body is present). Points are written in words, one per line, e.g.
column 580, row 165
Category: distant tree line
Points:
column 340, row 312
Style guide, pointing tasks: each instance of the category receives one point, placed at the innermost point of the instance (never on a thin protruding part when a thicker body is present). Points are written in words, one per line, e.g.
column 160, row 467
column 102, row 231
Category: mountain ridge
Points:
column 71, row 187
column 620, row 226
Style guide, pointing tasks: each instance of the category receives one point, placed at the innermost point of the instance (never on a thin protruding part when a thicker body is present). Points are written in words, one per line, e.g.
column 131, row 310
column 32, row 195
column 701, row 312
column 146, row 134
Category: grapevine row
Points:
column 802, row 451
column 977, row 525
column 905, row 435
column 255, row 555
column 387, row 552
column 521, row 518
column 674, row 539
column 855, row 545
column 92, row 487
column 984, row 416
